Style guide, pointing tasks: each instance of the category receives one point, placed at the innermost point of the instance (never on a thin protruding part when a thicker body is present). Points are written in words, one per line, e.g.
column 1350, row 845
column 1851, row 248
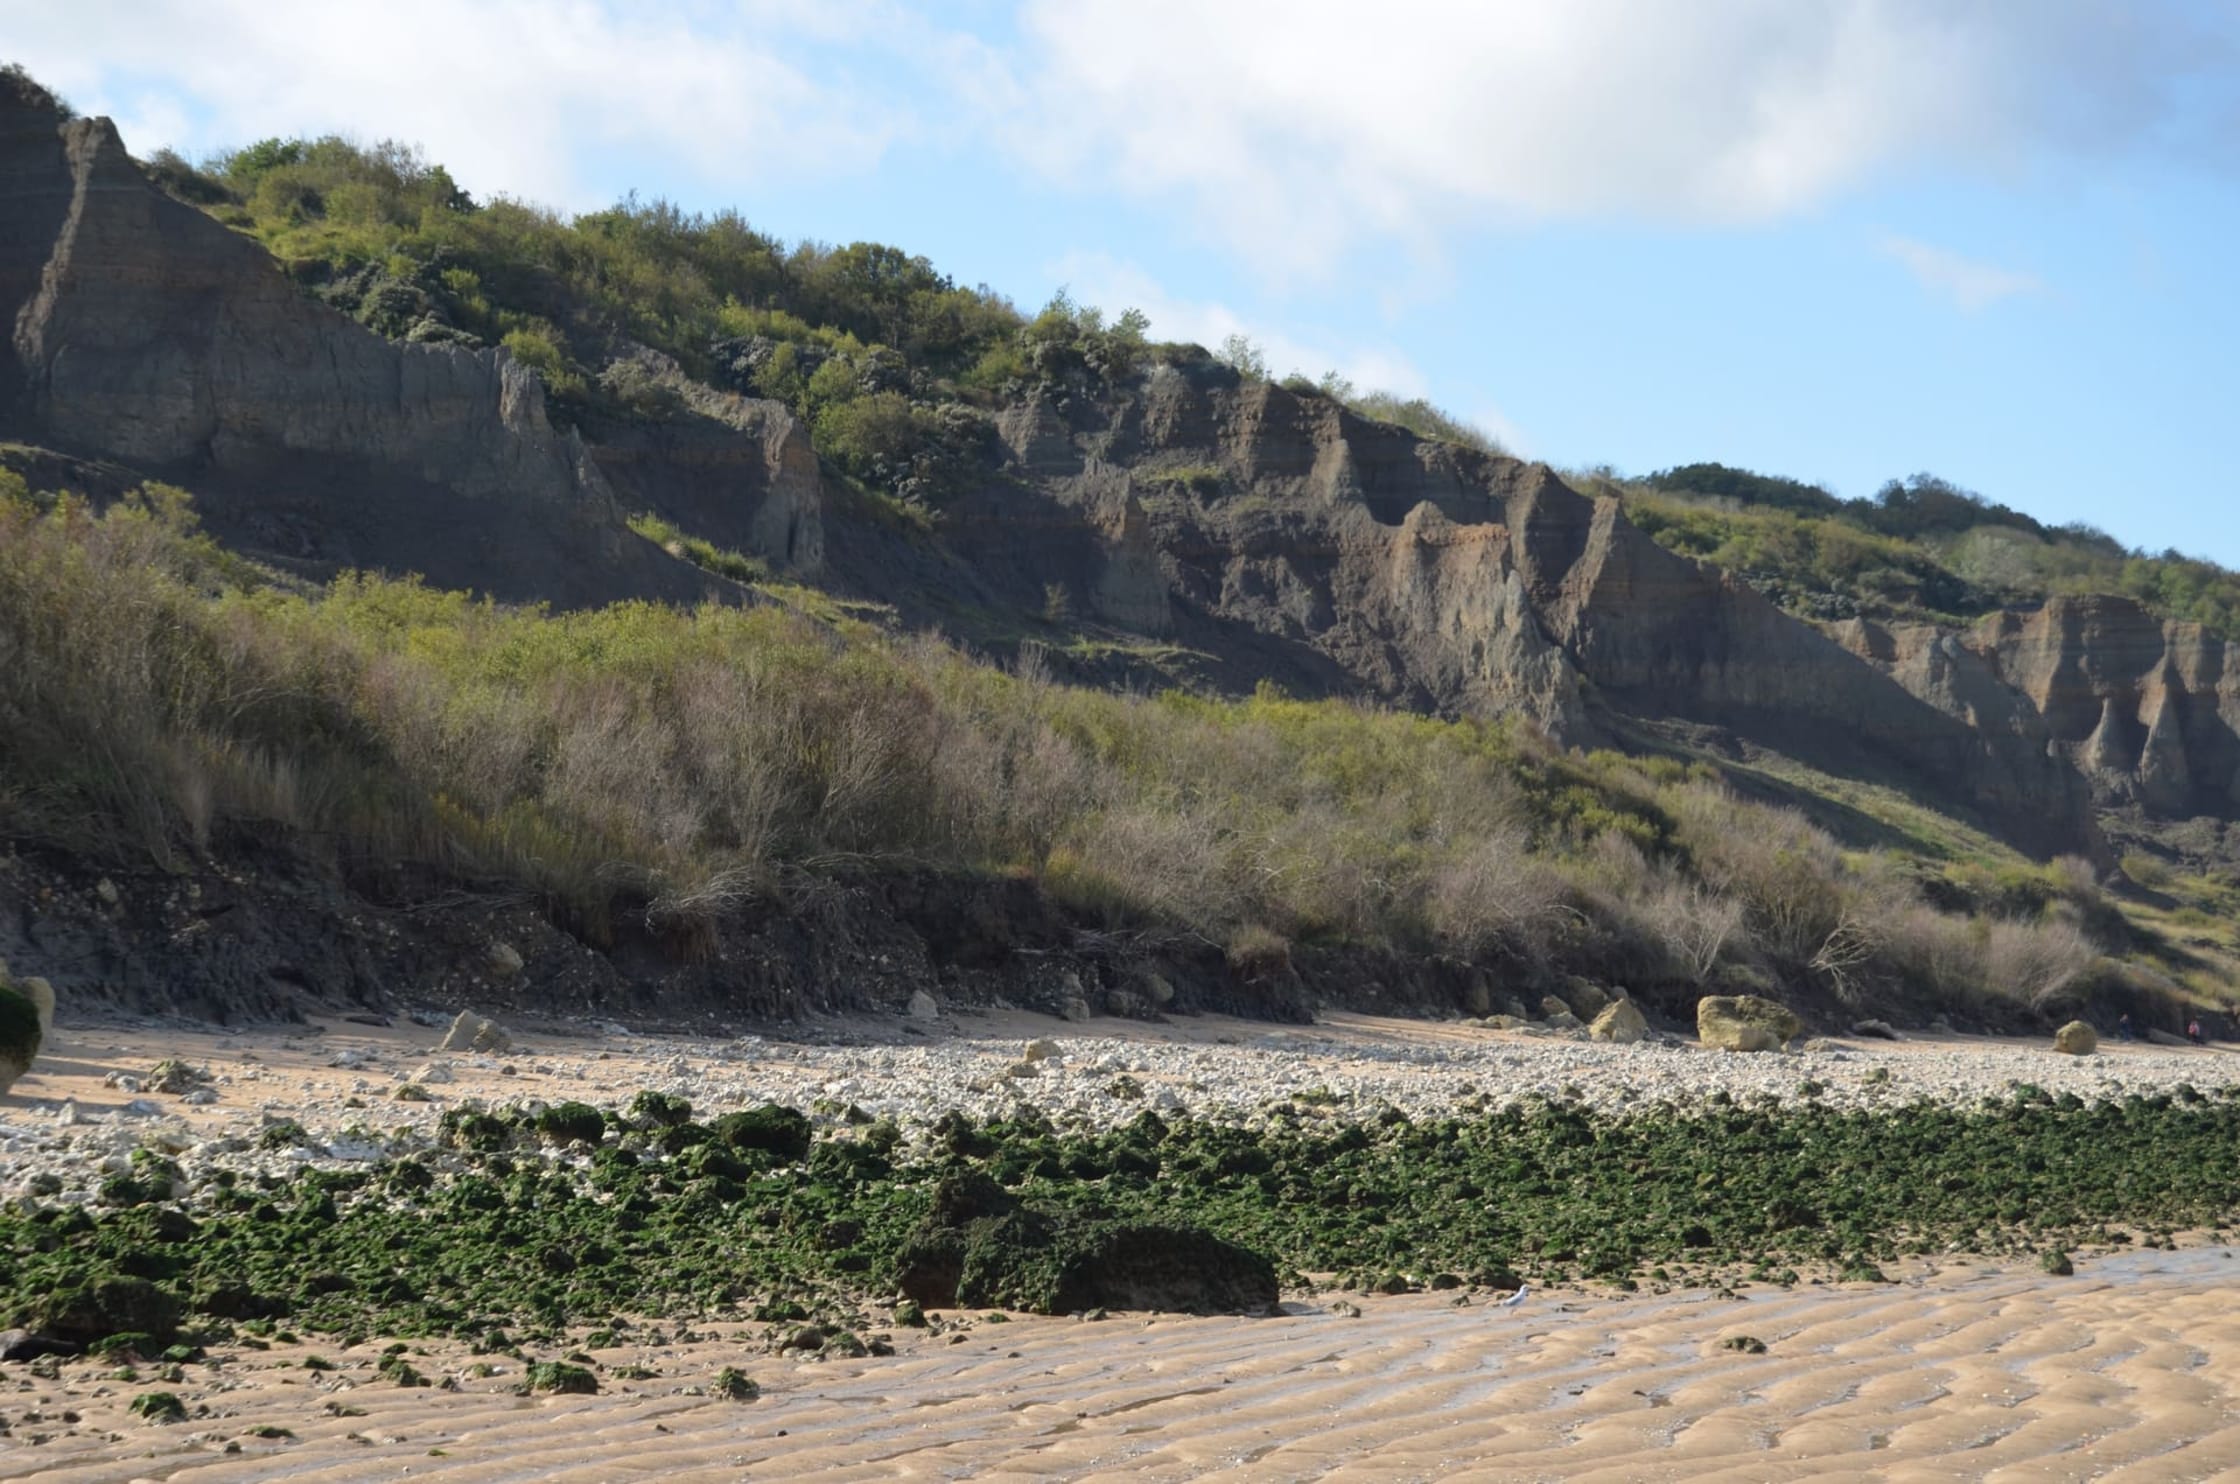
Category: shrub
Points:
column 673, row 764
column 1256, row 953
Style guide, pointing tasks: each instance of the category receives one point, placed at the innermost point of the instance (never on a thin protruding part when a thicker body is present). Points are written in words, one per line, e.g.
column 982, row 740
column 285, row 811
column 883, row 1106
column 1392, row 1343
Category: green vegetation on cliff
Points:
column 886, row 358
column 1920, row 549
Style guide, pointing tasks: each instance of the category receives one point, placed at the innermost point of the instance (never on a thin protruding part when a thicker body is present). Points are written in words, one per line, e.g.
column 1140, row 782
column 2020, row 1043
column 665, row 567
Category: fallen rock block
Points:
column 174, row 1077
column 22, row 1344
column 472, row 1032
column 1620, row 1024
column 2076, row 1039
column 1588, row 999
column 19, row 1036
column 1745, row 1022
column 1880, row 1030
column 1559, row 1015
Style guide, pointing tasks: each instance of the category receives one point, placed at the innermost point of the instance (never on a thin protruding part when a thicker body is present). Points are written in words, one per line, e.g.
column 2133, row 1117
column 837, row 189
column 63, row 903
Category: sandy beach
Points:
column 1956, row 1370
column 2126, row 1371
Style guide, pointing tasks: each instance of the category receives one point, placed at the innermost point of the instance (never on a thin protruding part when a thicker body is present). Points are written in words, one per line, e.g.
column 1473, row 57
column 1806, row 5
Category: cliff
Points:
column 2142, row 710
column 1360, row 558
column 146, row 333
column 1239, row 531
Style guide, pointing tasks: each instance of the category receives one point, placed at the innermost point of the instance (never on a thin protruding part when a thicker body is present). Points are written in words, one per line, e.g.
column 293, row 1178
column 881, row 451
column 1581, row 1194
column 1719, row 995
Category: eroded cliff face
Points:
column 737, row 471
column 1440, row 578
column 144, row 332
column 2142, row 710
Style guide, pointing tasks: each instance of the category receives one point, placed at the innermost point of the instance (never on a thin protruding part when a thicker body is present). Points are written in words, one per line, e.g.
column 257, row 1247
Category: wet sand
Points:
column 2128, row 1370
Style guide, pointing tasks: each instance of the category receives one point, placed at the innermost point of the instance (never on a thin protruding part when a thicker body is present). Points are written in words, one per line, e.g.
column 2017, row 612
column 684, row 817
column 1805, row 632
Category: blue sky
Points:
column 1844, row 240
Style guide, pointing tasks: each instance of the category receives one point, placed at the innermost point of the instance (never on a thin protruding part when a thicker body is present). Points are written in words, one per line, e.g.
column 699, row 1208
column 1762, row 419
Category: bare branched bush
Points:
column 1694, row 924
column 2033, row 962
column 1497, row 893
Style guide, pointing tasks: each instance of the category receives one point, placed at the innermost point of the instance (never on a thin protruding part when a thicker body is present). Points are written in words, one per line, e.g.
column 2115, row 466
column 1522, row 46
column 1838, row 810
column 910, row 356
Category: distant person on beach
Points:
column 2193, row 1032
column 2123, row 1028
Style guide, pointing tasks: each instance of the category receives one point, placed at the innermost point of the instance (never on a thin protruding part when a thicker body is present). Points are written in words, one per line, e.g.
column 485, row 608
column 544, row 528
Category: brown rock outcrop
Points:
column 737, row 471
column 2093, row 690
column 2146, row 709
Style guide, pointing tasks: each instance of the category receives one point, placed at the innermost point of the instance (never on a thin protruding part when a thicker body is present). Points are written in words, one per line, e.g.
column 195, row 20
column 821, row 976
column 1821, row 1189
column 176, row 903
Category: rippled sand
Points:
column 2130, row 1370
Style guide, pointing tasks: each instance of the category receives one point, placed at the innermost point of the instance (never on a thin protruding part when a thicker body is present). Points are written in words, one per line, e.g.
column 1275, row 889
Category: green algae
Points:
column 758, row 1216
column 159, row 1406
column 561, row 1378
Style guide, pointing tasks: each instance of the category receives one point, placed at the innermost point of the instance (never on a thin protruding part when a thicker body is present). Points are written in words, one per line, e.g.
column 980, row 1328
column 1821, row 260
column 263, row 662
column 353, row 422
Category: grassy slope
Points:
column 158, row 696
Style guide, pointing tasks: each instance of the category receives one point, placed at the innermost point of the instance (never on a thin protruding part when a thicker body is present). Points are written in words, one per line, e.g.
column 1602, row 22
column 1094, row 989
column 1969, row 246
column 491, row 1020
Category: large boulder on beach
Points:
column 1745, row 1022
column 1559, row 1015
column 981, row 1247
column 1588, row 999
column 94, row 1307
column 2076, row 1039
column 472, row 1032
column 1620, row 1024
column 25, row 1013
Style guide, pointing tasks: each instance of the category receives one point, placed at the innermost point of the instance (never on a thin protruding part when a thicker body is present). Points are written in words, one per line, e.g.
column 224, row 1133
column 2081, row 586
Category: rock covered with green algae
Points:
column 982, row 1247
column 26, row 1011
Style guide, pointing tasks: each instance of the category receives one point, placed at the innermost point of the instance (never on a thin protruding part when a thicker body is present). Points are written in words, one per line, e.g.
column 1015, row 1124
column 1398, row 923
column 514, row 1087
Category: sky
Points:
column 1841, row 240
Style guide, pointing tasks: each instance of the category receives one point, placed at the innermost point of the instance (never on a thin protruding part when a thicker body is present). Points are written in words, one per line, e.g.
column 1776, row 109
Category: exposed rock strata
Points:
column 1441, row 578
column 145, row 332
column 2139, row 710
column 737, row 471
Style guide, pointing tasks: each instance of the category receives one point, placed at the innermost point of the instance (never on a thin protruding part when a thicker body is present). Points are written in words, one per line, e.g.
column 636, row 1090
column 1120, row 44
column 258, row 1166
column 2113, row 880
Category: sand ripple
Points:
column 2131, row 1370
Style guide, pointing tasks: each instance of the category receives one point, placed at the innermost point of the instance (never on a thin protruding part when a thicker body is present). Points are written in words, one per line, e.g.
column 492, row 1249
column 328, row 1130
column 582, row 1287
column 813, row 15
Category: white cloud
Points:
column 1293, row 129
column 515, row 96
column 1969, row 284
